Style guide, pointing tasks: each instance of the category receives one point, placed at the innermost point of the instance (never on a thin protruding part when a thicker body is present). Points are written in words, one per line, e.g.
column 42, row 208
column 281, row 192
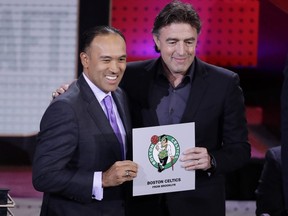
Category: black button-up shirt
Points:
column 168, row 101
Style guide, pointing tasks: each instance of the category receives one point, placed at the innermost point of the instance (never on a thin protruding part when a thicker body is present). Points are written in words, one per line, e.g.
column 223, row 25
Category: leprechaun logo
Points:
column 163, row 152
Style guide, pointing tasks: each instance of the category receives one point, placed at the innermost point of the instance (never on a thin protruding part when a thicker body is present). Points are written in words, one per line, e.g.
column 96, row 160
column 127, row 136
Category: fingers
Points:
column 63, row 88
column 196, row 153
column 119, row 172
column 195, row 158
column 57, row 92
column 127, row 173
column 130, row 168
column 54, row 94
column 196, row 150
column 130, row 175
column 195, row 164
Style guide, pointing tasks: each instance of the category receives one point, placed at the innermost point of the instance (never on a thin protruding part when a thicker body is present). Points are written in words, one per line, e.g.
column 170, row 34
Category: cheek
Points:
column 99, row 69
column 167, row 52
column 192, row 50
column 123, row 67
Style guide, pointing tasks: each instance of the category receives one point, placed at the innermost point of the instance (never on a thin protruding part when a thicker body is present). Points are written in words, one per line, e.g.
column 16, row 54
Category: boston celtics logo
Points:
column 163, row 152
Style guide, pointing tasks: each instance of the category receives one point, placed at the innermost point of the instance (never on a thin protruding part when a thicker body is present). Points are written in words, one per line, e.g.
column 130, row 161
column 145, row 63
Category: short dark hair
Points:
column 88, row 36
column 176, row 12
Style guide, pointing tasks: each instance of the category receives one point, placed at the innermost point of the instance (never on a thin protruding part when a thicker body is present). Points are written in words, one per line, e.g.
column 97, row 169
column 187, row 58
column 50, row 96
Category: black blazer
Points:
column 216, row 105
column 284, row 132
column 269, row 193
column 75, row 140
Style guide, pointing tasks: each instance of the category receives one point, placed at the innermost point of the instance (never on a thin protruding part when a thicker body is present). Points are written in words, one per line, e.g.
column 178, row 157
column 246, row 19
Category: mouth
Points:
column 111, row 77
column 180, row 60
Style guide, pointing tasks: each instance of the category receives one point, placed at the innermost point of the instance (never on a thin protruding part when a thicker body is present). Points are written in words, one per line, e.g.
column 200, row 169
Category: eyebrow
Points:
column 110, row 57
column 187, row 39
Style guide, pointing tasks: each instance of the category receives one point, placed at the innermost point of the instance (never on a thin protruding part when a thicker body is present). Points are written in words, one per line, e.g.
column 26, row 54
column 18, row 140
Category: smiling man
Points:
column 177, row 88
column 104, row 61
column 79, row 161
column 177, row 43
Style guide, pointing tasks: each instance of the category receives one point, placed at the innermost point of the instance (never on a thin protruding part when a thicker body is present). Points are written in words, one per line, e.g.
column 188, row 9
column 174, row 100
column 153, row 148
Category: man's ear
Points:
column 156, row 41
column 84, row 59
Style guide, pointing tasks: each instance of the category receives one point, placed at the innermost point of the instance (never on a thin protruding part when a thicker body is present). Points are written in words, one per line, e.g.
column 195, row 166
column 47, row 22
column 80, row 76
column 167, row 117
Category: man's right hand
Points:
column 60, row 90
column 119, row 172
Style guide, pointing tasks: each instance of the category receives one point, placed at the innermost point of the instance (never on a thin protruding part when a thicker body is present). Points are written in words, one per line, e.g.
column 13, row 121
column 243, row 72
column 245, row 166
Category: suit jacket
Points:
column 284, row 132
column 216, row 105
column 74, row 141
column 269, row 193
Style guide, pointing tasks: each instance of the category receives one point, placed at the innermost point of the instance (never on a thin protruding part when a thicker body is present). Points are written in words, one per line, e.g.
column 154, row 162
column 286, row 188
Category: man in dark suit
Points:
column 178, row 88
column 284, row 132
column 269, row 193
column 79, row 162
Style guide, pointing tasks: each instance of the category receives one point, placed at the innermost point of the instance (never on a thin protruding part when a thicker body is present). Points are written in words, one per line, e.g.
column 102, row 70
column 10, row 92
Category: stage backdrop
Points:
column 229, row 36
column 38, row 44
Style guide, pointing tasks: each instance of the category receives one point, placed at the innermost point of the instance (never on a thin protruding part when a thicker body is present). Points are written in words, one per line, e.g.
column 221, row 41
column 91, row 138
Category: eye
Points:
column 171, row 42
column 106, row 60
column 122, row 59
column 190, row 42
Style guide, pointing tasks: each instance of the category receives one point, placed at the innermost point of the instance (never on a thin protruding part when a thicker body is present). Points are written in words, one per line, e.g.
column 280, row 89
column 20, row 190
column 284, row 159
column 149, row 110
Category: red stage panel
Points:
column 229, row 35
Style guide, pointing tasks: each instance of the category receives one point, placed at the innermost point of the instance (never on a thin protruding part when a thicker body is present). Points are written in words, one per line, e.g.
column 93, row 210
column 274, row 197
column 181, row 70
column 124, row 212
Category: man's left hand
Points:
column 196, row 158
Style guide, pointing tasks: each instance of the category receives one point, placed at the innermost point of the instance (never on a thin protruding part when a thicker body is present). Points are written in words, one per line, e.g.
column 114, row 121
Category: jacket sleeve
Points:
column 54, row 166
column 236, row 150
column 269, row 195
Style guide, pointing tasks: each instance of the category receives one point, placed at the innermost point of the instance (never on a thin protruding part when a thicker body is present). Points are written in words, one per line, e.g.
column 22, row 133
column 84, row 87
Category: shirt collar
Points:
column 188, row 76
column 99, row 94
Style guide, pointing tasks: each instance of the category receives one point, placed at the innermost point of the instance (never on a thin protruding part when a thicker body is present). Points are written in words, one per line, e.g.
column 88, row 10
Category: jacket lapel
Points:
column 198, row 89
column 97, row 114
column 150, row 115
column 122, row 109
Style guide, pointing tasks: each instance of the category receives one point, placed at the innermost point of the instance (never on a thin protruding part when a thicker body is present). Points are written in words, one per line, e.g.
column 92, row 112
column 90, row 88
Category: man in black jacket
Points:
column 177, row 88
column 269, row 193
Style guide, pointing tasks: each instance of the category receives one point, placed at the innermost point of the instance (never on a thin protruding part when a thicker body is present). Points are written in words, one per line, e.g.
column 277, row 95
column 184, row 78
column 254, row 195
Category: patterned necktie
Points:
column 112, row 119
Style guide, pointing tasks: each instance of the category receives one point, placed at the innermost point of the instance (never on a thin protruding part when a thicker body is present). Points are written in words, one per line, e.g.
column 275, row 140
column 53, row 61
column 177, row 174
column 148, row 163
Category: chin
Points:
column 113, row 89
column 180, row 71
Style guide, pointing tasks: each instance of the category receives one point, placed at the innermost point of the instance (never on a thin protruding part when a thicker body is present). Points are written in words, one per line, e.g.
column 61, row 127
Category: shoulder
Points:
column 141, row 64
column 141, row 68
column 119, row 93
column 274, row 153
column 215, row 76
column 214, row 70
column 76, row 98
column 139, row 73
column 70, row 95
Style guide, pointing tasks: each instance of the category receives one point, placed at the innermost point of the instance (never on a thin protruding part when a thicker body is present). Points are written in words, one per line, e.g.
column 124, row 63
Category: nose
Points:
column 180, row 48
column 114, row 67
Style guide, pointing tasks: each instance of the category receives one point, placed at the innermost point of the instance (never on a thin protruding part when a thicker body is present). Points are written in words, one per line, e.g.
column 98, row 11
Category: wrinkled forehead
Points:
column 178, row 30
